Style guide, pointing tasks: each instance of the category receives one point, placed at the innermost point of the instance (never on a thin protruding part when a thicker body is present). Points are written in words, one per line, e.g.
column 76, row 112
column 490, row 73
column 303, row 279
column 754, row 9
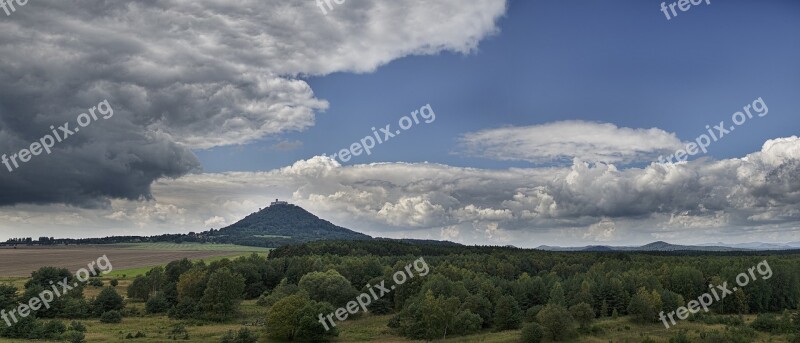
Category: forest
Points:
column 548, row 296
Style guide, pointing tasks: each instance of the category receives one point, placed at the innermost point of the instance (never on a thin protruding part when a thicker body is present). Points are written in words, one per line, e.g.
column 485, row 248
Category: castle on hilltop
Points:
column 278, row 202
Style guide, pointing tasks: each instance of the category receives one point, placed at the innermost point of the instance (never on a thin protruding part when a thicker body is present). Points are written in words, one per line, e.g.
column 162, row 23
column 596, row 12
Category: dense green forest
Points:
column 551, row 296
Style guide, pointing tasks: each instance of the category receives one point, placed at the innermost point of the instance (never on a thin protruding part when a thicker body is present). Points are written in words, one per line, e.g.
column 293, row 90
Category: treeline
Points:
column 171, row 238
column 468, row 289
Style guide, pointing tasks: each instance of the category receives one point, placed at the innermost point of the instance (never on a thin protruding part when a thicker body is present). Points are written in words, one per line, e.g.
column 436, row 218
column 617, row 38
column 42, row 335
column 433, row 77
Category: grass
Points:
column 236, row 251
column 191, row 247
column 369, row 328
column 134, row 272
column 373, row 329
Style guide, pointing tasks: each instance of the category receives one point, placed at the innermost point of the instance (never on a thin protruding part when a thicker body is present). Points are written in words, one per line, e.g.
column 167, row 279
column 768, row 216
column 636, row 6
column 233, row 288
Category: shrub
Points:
column 52, row 329
column 73, row 337
column 107, row 300
column 767, row 322
column 74, row 308
column 111, row 317
column 507, row 314
column 295, row 318
column 583, row 314
column 466, row 323
column 27, row 327
column 179, row 331
column 95, row 282
column 532, row 333
column 680, row 337
column 185, row 309
column 530, row 314
column 243, row 336
column 557, row 320
column 157, row 304
column 77, row 326
column 114, row 283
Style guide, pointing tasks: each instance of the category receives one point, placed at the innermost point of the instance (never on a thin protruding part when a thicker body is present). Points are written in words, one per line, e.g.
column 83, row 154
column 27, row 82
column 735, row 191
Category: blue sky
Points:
column 550, row 116
column 620, row 62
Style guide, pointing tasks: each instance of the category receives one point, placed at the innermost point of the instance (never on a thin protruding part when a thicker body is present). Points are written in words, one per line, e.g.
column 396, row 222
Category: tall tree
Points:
column 222, row 295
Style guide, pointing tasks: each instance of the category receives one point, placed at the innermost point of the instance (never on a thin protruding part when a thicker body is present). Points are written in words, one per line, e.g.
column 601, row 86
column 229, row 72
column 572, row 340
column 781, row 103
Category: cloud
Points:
column 563, row 141
column 215, row 221
column 749, row 198
column 602, row 231
column 189, row 75
column 286, row 145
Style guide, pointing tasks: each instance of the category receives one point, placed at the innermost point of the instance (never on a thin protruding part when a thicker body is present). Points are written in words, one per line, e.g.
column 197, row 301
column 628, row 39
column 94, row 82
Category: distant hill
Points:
column 277, row 225
column 282, row 224
column 655, row 246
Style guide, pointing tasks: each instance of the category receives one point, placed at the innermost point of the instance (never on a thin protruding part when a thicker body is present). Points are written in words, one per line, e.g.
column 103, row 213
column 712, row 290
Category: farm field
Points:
column 190, row 247
column 159, row 327
column 20, row 262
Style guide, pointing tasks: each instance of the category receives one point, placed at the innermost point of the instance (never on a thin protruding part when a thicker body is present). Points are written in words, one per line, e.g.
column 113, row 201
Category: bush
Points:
column 295, row 318
column 767, row 322
column 73, row 337
column 243, row 336
column 466, row 323
column 52, row 329
column 735, row 335
column 179, row 331
column 111, row 317
column 74, row 308
column 680, row 337
column 27, row 327
column 583, row 314
column 157, row 304
column 532, row 333
column 77, row 326
column 530, row 314
column 107, row 300
column 507, row 314
column 96, row 283
column 557, row 320
column 185, row 309
column 114, row 283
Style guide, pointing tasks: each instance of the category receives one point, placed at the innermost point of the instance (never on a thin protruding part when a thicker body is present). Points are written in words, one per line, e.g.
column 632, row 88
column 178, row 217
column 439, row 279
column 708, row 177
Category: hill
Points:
column 281, row 224
column 277, row 225
column 655, row 247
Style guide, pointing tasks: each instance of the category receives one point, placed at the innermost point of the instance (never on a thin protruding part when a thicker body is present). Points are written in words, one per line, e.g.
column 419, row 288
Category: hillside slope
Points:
column 282, row 224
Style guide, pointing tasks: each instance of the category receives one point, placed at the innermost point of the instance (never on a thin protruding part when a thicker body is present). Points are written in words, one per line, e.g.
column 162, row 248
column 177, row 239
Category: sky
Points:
column 537, row 122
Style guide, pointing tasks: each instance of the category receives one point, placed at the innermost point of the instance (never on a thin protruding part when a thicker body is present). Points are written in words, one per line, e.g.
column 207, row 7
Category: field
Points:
column 364, row 327
column 370, row 328
column 20, row 262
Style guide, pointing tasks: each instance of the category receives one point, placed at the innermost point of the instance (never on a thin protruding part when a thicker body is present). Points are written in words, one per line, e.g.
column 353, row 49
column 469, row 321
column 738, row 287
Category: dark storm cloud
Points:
column 187, row 75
